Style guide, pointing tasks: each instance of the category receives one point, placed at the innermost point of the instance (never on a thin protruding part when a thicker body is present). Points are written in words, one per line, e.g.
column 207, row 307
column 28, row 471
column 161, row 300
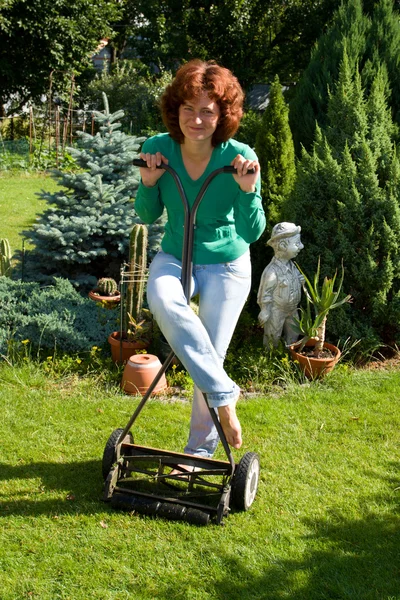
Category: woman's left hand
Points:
column 245, row 180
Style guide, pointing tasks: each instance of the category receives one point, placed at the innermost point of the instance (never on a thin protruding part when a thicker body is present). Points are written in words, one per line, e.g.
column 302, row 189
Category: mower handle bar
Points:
column 138, row 162
column 190, row 224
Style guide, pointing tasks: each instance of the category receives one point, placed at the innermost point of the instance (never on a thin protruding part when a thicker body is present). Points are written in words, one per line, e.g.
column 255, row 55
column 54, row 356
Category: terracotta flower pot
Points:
column 139, row 373
column 315, row 367
column 110, row 301
column 121, row 351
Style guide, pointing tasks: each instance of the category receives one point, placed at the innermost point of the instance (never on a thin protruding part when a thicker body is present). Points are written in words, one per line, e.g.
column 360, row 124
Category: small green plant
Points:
column 178, row 377
column 107, row 286
column 312, row 323
column 140, row 331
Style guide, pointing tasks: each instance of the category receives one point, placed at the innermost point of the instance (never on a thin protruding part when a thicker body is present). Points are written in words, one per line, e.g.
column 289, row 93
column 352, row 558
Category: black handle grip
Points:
column 230, row 169
column 138, row 162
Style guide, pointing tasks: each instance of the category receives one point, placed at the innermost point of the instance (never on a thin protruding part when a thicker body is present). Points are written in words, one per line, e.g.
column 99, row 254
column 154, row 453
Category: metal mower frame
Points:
column 135, row 477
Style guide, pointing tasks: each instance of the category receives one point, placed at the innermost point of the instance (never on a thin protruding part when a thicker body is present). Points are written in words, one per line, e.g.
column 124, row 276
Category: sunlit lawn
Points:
column 325, row 523
column 19, row 204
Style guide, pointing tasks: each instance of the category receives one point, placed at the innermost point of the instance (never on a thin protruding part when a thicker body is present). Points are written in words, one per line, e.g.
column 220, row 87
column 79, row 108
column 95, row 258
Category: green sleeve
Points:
column 249, row 216
column 148, row 204
column 248, row 209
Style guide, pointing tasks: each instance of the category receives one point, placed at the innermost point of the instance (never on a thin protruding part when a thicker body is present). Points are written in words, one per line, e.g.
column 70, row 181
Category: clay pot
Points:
column 121, row 351
column 139, row 373
column 315, row 367
column 109, row 301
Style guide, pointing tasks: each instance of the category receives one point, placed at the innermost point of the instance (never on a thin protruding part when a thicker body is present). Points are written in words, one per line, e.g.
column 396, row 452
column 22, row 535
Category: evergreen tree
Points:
column 372, row 42
column 275, row 150
column 84, row 234
column 347, row 118
column 383, row 47
column 346, row 199
column 309, row 106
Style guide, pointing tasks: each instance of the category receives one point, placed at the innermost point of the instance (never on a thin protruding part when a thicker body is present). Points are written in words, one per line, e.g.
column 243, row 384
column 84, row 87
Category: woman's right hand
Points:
column 151, row 174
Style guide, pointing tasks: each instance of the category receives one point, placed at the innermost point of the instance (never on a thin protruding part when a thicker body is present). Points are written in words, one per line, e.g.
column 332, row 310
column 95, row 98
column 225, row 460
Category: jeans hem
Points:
column 218, row 399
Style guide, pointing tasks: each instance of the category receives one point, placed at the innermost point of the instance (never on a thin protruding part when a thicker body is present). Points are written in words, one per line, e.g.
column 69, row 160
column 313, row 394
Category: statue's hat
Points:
column 283, row 230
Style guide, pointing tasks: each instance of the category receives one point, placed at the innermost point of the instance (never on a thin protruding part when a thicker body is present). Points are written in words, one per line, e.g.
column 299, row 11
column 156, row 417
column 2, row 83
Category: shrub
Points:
column 131, row 88
column 248, row 128
column 52, row 317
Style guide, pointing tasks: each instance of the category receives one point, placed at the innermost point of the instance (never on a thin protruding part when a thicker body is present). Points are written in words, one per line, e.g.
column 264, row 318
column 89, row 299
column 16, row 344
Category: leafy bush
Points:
column 131, row 88
column 44, row 159
column 17, row 155
column 50, row 317
column 249, row 126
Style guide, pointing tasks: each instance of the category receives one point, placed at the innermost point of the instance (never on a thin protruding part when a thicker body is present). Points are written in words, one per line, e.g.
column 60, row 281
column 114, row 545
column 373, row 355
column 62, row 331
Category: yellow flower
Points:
column 49, row 358
column 25, row 342
column 94, row 348
column 78, row 360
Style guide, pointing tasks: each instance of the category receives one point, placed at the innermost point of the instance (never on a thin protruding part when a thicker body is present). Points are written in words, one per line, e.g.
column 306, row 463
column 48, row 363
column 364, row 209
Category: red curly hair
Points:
column 191, row 80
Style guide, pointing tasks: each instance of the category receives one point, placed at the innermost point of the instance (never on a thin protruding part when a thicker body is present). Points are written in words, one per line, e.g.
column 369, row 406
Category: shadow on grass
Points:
column 357, row 559
column 344, row 559
column 79, row 482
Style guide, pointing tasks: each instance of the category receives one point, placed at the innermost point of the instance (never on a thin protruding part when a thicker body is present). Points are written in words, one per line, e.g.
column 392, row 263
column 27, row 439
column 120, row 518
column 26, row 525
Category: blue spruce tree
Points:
column 84, row 234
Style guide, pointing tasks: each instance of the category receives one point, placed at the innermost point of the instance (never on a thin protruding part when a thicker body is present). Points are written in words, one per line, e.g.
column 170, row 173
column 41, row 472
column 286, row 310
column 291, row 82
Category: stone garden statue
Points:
column 279, row 292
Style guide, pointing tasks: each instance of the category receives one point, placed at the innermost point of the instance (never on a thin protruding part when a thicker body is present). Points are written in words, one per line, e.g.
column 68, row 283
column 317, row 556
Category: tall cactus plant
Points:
column 134, row 313
column 5, row 258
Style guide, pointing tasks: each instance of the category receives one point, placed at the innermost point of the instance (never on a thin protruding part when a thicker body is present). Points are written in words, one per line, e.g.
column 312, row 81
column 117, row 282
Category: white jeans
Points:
column 200, row 342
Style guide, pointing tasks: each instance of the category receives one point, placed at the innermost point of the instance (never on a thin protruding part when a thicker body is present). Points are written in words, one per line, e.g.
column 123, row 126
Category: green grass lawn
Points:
column 325, row 523
column 19, row 204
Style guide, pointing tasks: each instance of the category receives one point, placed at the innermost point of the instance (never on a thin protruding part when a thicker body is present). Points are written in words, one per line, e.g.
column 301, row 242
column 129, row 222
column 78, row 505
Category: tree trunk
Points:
column 319, row 346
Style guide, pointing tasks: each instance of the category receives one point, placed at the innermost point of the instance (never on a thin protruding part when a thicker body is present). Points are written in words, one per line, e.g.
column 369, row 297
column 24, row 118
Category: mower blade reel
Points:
column 165, row 510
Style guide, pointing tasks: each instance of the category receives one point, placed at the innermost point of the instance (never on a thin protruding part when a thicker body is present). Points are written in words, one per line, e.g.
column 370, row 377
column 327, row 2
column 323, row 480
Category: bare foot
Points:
column 230, row 425
column 180, row 473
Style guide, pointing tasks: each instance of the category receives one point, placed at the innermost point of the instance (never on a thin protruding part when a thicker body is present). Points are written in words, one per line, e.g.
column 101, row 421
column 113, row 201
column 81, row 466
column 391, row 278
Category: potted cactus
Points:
column 106, row 291
column 136, row 323
column 316, row 356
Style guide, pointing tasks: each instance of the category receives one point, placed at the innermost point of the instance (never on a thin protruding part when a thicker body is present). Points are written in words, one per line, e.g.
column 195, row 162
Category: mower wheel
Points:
column 109, row 450
column 245, row 481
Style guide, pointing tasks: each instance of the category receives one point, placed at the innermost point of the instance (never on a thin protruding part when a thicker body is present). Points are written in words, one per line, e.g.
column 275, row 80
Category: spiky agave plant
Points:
column 323, row 299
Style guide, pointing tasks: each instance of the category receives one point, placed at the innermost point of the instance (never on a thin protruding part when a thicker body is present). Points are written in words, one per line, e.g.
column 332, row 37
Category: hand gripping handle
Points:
column 138, row 162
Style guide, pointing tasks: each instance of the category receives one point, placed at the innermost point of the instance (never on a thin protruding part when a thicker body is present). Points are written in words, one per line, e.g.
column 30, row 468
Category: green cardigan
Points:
column 228, row 220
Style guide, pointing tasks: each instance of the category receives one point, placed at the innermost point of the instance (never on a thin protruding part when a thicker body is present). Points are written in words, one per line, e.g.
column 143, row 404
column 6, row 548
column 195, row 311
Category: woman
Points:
column 202, row 108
